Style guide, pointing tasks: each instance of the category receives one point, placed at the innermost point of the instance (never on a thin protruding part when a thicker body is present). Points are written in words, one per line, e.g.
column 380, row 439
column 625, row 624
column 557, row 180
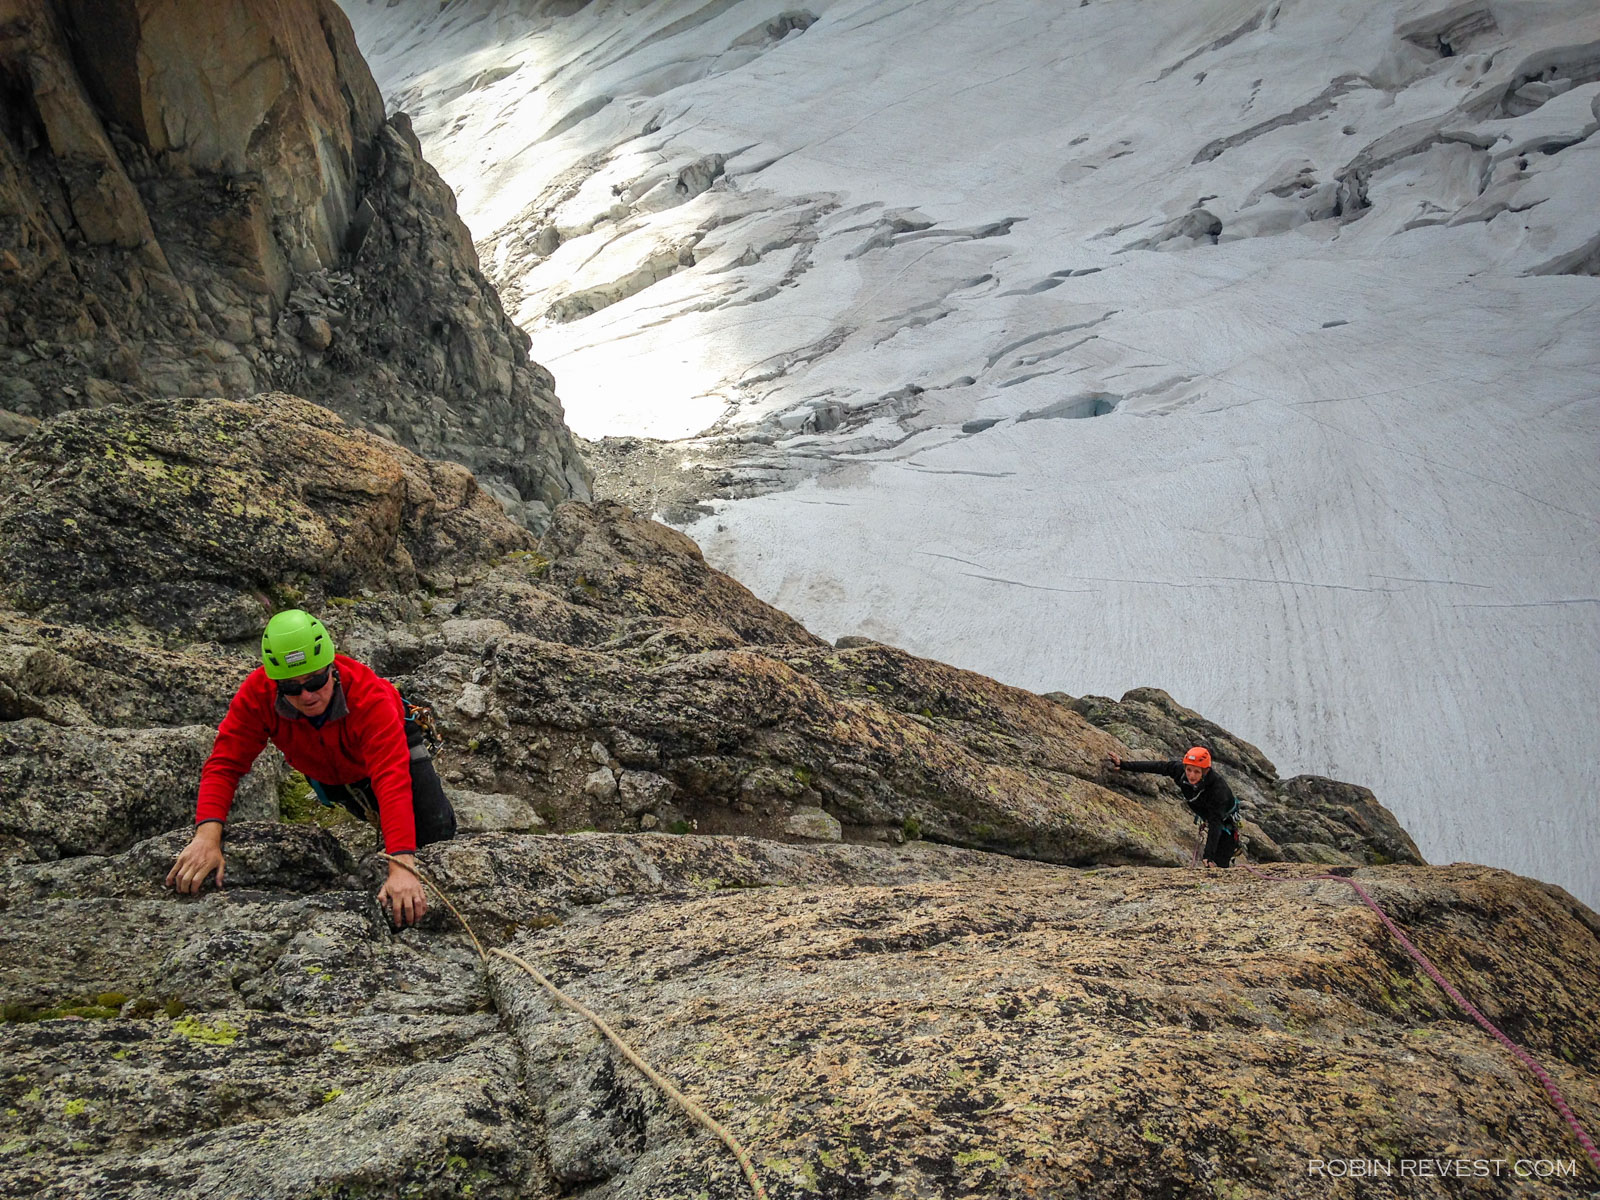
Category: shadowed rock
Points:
column 209, row 201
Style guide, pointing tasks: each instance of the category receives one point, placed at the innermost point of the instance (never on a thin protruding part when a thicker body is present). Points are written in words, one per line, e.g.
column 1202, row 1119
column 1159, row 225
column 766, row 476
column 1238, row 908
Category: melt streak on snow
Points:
column 1247, row 349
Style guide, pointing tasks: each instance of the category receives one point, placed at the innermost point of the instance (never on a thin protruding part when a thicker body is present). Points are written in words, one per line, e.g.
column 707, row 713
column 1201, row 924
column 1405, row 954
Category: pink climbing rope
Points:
column 1469, row 1008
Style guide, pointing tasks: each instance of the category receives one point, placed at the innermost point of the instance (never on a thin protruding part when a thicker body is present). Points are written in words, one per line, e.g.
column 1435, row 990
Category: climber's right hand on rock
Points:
column 1114, row 760
column 200, row 858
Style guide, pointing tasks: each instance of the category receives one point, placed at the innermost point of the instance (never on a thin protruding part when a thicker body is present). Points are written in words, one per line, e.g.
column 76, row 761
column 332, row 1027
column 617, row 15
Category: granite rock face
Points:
column 868, row 1021
column 71, row 676
column 275, row 1040
column 924, row 943
column 85, row 790
column 1052, row 1032
column 209, row 201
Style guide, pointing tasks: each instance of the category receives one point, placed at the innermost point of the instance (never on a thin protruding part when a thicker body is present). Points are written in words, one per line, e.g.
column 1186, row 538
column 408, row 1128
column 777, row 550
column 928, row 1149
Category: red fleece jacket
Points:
column 369, row 742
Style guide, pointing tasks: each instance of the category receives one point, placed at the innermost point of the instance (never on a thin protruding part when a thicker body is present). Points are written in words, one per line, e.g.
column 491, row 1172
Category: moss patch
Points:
column 298, row 805
column 100, row 1007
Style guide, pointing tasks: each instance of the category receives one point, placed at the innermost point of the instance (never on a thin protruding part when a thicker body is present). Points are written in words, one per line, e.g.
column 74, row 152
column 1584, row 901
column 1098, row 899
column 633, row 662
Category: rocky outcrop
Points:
column 606, row 677
column 841, row 967
column 1051, row 1032
column 604, row 559
column 209, row 201
column 291, row 1001
column 869, row 1021
column 195, row 516
column 70, row 676
column 79, row 790
column 101, row 740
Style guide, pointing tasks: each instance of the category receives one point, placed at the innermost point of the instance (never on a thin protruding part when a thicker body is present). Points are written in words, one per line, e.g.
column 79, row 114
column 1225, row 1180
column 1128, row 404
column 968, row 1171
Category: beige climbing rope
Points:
column 689, row 1106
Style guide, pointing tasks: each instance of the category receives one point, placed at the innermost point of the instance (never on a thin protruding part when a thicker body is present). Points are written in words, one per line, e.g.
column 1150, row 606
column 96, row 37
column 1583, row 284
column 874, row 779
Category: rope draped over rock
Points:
column 689, row 1106
column 1467, row 1007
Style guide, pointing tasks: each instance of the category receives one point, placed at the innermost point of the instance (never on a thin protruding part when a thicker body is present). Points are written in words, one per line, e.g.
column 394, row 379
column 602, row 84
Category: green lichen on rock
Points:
column 963, row 1023
column 149, row 518
column 209, row 1033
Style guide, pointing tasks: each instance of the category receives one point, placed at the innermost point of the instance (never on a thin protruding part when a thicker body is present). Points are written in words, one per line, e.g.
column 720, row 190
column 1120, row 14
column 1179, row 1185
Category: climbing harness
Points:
column 1466, row 1006
column 1229, row 825
column 695, row 1112
column 420, row 718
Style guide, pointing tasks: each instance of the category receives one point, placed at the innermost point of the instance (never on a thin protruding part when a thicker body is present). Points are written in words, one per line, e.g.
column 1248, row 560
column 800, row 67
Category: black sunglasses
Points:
column 311, row 683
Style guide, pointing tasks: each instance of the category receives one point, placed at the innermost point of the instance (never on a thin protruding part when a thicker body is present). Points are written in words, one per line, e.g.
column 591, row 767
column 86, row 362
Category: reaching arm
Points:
column 388, row 758
column 402, row 895
column 1171, row 769
column 240, row 738
column 201, row 858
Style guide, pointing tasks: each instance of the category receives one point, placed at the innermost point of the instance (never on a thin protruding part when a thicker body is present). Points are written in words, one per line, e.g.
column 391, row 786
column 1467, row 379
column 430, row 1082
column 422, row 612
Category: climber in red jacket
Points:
column 342, row 726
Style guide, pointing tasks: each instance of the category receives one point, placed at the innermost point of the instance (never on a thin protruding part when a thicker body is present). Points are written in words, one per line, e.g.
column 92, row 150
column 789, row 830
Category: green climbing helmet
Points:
column 295, row 643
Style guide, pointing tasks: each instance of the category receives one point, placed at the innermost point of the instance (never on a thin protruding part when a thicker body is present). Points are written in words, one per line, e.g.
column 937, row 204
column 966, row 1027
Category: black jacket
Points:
column 1211, row 799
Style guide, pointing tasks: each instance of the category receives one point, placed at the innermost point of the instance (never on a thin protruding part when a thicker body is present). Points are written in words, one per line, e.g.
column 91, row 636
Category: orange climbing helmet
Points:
column 1198, row 756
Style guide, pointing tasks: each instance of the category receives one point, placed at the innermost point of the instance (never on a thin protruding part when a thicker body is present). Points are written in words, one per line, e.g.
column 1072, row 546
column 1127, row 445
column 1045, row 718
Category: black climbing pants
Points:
column 1222, row 844
column 436, row 820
